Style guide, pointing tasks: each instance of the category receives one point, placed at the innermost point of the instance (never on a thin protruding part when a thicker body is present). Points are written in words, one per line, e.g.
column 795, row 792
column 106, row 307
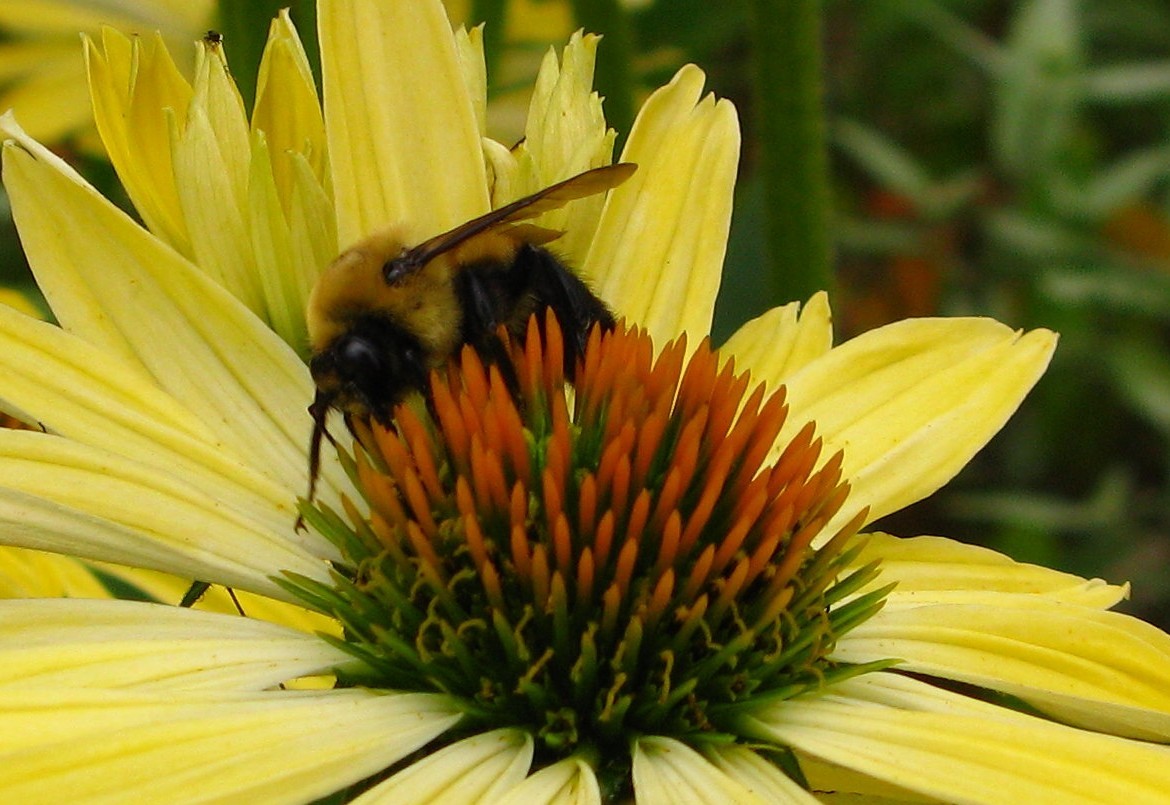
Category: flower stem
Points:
column 786, row 38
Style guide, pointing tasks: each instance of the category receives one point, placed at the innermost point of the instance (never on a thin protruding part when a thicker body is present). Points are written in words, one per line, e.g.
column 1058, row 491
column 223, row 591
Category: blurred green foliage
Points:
column 1008, row 158
column 1012, row 159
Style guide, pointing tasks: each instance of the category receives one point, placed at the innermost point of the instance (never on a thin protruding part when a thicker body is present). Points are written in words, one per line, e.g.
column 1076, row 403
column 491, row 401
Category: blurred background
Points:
column 1007, row 158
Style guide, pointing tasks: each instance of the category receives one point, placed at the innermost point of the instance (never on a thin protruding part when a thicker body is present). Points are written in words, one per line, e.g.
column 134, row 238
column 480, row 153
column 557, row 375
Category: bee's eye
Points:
column 359, row 357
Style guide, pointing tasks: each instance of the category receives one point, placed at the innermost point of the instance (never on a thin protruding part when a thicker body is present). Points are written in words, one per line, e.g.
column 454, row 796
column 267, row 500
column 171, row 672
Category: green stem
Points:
column 614, row 76
column 790, row 118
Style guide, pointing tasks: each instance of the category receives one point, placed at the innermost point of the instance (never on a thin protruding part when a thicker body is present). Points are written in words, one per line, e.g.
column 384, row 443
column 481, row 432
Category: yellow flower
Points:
column 42, row 77
column 172, row 399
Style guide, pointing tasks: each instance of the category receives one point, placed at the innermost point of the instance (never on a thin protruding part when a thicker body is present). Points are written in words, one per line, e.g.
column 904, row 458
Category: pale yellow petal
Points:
column 36, row 574
column 287, row 107
column 566, row 128
column 476, row 769
column 469, row 46
column 503, row 171
column 840, row 784
column 211, row 156
column 667, row 771
column 284, row 285
column 1045, row 652
column 73, row 390
column 138, row 94
column 565, row 135
column 51, row 489
column 312, row 227
column 114, row 285
column 403, row 141
column 958, row 749
column 761, row 777
column 60, row 644
column 910, row 403
column 658, row 252
column 106, row 746
column 782, row 341
column 930, row 570
column 289, row 209
column 568, row 782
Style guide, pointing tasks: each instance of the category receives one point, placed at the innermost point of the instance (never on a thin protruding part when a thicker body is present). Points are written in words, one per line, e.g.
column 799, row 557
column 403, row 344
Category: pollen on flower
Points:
column 596, row 563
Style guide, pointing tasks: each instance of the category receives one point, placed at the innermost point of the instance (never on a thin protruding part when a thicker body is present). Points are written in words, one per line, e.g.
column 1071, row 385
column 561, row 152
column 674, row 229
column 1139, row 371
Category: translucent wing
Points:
column 589, row 183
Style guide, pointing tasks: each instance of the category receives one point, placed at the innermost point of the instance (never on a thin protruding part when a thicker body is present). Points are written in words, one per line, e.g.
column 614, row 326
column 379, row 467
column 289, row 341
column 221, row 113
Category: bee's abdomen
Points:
column 499, row 293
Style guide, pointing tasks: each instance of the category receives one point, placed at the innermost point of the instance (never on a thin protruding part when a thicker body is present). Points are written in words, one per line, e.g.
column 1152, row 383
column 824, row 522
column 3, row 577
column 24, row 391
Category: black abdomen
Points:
column 495, row 293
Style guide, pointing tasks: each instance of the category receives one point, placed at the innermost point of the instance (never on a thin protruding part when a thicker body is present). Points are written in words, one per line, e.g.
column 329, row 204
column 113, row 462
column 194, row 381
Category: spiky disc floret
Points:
column 617, row 565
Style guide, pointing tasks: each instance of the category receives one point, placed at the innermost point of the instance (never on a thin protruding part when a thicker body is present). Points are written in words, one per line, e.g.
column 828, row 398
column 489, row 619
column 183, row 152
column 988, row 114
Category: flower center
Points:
column 621, row 564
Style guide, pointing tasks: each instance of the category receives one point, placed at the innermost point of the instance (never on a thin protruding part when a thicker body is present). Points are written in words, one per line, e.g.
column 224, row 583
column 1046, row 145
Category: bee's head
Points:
column 363, row 373
column 367, row 369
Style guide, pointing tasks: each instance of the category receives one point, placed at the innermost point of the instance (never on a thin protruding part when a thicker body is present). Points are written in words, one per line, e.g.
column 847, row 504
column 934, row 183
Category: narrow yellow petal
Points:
column 958, row 749
column 36, row 574
column 476, row 769
column 782, row 341
column 667, row 771
column 73, row 390
column 141, row 517
column 1043, row 651
column 565, row 135
column 284, row 287
column 287, row 107
column 931, row 570
column 403, row 139
column 312, row 227
column 469, row 46
column 504, row 171
column 116, row 286
column 103, row 746
column 568, row 782
column 760, row 776
column 834, row 783
column 137, row 93
column 211, row 156
column 287, row 244
column 912, row 402
column 59, row 644
column 658, row 252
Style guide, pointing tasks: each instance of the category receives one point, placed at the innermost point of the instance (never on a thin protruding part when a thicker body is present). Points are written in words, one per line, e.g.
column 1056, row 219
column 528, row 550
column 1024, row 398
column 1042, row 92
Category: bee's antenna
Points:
column 319, row 411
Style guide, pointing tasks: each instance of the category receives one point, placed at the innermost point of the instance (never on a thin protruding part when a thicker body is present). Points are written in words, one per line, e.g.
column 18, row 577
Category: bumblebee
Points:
column 383, row 314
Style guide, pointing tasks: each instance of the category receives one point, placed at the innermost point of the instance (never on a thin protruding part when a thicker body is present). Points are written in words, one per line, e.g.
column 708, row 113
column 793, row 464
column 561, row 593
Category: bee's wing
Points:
column 589, row 183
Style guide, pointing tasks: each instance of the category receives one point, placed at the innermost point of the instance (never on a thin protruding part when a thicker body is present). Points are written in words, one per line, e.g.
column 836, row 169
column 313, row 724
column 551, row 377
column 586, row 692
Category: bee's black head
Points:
column 364, row 373
column 368, row 369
